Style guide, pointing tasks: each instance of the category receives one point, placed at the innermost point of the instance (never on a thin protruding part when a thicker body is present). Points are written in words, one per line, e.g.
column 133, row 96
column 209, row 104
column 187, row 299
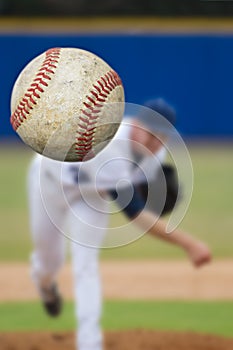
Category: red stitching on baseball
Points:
column 91, row 111
column 94, row 102
column 29, row 99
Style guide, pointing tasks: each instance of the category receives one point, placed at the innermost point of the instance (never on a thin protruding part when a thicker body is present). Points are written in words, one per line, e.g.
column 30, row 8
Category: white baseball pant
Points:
column 49, row 250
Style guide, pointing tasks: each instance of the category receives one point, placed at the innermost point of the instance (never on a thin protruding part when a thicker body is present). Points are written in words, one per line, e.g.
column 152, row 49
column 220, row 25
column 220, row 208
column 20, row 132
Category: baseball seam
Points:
column 91, row 113
column 29, row 100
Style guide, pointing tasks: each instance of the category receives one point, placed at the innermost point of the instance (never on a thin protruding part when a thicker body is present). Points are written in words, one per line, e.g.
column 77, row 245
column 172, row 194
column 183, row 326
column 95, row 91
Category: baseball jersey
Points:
column 116, row 166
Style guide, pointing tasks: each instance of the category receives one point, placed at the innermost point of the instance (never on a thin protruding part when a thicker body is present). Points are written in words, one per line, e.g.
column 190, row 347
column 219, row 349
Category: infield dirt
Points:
column 127, row 280
column 132, row 280
column 127, row 340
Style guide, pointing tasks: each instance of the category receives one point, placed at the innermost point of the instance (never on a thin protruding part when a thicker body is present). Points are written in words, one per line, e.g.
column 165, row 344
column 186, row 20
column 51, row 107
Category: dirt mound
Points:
column 121, row 340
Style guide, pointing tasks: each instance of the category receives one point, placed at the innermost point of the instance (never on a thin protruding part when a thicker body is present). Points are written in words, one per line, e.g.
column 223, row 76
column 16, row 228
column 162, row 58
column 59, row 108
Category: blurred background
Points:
column 112, row 7
column 175, row 48
column 181, row 50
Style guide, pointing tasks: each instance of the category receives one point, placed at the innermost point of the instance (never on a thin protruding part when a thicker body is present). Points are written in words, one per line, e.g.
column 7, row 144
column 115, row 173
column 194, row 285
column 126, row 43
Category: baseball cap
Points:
column 158, row 116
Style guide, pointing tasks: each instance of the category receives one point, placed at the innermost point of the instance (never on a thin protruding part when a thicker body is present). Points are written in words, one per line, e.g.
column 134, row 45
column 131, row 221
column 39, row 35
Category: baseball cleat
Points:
column 52, row 300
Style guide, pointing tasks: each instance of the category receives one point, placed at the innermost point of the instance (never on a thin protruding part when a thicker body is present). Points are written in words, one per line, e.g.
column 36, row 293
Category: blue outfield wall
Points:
column 193, row 72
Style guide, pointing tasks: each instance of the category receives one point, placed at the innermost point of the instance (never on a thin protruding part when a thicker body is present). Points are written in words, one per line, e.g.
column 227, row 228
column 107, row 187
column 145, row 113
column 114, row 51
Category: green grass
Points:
column 209, row 216
column 14, row 166
column 14, row 234
column 203, row 317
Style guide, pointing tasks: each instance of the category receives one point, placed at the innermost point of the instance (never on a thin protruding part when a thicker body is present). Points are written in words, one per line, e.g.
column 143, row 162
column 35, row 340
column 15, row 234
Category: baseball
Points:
column 67, row 104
